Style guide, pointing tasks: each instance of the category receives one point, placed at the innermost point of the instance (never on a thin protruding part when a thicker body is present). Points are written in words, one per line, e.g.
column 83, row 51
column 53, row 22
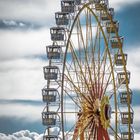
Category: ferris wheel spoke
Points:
column 95, row 134
column 75, row 101
column 99, row 134
column 76, row 76
column 87, row 70
column 90, row 135
column 98, row 61
column 77, row 90
column 96, row 70
column 104, row 67
column 71, row 78
column 119, row 138
column 98, row 74
column 105, row 134
column 87, row 48
column 79, row 44
column 70, row 130
column 77, row 129
column 109, row 80
column 103, row 72
column 81, row 127
column 92, row 131
column 96, row 67
column 94, row 60
column 79, row 66
column 66, row 90
column 102, row 134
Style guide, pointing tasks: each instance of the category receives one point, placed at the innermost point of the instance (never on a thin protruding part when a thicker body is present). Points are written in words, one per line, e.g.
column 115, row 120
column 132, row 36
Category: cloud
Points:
column 134, row 66
column 21, row 114
column 22, row 135
column 21, row 72
column 11, row 124
column 15, row 44
column 16, row 24
column 27, row 135
column 129, row 20
column 22, row 79
column 11, row 23
column 27, row 115
column 119, row 4
column 25, row 112
column 136, row 119
column 29, row 10
column 31, row 42
column 41, row 12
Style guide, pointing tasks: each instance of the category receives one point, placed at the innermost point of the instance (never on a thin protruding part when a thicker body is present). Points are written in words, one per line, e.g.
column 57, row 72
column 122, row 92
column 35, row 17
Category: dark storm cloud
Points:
column 136, row 98
column 9, row 125
column 20, row 114
column 20, row 101
column 15, row 24
column 42, row 57
column 30, row 12
column 129, row 18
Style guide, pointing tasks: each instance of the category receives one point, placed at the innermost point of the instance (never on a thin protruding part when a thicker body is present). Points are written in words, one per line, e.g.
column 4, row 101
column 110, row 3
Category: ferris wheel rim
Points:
column 57, row 75
column 117, row 35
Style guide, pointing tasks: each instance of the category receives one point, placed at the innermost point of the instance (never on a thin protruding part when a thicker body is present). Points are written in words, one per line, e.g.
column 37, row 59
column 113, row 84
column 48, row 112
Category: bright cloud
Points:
column 22, row 135
column 40, row 11
column 15, row 44
column 27, row 135
column 27, row 113
column 134, row 66
column 136, row 118
column 21, row 79
column 29, row 10
column 118, row 4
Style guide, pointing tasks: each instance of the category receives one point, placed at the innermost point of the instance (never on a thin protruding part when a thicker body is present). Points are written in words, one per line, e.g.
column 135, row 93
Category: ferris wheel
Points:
column 87, row 95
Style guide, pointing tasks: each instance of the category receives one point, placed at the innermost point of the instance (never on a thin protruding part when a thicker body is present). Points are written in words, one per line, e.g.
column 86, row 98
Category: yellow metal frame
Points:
column 87, row 6
column 104, row 121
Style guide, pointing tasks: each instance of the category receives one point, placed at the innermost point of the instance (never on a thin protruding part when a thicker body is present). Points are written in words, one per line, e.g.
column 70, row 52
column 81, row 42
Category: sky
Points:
column 24, row 33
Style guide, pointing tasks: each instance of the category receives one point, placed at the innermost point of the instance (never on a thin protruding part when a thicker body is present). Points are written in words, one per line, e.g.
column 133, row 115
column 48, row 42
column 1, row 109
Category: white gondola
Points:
column 107, row 16
column 125, row 117
column 95, row 1
column 100, row 4
column 49, row 118
column 116, row 42
column 77, row 2
column 119, row 59
column 125, row 136
column 124, row 97
column 51, row 137
column 62, row 18
column 53, row 52
column 68, row 6
column 51, row 72
column 50, row 134
column 57, row 33
column 49, row 95
column 112, row 27
column 123, row 78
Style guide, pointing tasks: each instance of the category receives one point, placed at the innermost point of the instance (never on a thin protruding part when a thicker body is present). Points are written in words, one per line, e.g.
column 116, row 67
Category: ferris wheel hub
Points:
column 105, row 113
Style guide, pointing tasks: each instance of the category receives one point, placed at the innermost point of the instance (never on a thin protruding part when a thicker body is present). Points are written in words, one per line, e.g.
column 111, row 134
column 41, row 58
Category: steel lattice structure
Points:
column 87, row 94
